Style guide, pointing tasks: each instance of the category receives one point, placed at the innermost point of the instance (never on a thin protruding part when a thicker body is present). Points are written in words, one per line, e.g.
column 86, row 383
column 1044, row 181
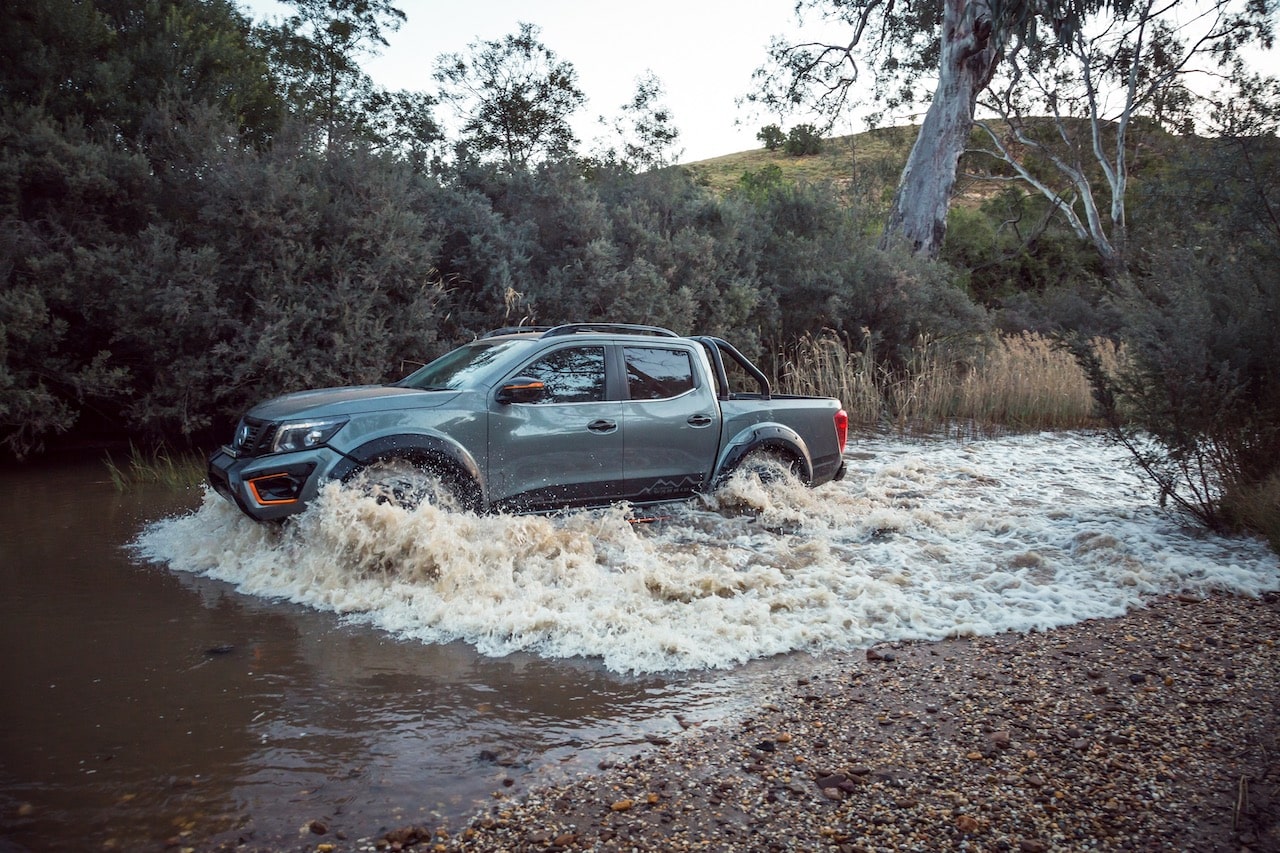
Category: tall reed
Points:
column 160, row 466
column 1016, row 382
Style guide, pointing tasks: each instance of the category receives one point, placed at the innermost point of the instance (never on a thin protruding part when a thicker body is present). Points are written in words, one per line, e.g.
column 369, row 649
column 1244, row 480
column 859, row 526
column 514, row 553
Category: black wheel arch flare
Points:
column 426, row 449
column 771, row 438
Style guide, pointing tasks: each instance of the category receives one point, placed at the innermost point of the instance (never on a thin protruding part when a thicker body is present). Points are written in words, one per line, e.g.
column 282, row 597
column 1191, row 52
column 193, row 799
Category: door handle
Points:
column 699, row 420
column 602, row 426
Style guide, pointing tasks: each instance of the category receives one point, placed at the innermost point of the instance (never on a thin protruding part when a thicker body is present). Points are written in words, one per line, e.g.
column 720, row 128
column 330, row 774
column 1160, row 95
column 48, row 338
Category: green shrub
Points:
column 804, row 140
column 1198, row 403
column 771, row 137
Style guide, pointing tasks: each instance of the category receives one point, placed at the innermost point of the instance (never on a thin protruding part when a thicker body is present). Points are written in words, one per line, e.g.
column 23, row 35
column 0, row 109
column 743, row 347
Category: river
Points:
column 177, row 675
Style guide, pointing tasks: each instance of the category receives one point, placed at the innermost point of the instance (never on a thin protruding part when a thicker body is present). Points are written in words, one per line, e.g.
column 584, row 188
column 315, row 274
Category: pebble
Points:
column 996, row 743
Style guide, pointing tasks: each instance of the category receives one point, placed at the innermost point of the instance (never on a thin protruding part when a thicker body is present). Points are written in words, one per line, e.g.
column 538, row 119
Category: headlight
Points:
column 304, row 435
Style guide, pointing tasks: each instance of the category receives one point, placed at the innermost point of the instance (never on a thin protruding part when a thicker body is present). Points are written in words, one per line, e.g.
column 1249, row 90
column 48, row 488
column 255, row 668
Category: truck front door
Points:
column 564, row 449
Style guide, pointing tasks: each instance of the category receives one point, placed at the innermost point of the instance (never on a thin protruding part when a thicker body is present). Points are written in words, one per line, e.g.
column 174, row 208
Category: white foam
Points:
column 920, row 541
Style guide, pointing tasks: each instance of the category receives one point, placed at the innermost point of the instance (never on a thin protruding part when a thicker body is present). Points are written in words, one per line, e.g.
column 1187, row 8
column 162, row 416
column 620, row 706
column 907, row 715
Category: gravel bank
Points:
column 1154, row 731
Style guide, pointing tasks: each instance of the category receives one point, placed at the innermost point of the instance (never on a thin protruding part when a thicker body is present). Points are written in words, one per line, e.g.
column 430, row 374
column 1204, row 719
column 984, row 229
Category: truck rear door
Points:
column 671, row 422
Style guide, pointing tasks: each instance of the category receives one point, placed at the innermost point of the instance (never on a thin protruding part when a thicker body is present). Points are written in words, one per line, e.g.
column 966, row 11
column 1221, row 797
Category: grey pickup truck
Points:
column 539, row 420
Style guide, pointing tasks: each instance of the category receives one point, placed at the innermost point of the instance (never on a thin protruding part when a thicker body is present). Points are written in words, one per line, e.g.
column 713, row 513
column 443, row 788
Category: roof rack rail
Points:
column 608, row 328
column 515, row 330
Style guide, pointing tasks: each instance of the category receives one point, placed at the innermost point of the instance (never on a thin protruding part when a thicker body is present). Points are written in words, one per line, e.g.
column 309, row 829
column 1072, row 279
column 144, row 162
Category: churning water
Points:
column 920, row 541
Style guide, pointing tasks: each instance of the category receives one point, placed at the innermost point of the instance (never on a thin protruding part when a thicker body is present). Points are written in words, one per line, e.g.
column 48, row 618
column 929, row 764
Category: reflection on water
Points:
column 141, row 706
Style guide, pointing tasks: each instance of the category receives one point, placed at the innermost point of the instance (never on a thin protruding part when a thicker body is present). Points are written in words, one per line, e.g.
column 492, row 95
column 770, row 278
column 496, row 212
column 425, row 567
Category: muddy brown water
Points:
column 142, row 707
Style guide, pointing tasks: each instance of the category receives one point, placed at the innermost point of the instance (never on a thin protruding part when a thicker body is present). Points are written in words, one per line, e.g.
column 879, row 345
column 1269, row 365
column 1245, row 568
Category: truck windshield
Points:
column 458, row 368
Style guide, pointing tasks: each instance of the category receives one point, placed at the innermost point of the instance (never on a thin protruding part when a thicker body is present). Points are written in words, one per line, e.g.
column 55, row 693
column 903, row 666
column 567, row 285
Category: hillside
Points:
column 882, row 151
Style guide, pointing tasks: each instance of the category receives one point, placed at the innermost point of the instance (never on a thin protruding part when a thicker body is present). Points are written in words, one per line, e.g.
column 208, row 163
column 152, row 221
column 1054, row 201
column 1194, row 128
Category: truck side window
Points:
column 655, row 373
column 571, row 375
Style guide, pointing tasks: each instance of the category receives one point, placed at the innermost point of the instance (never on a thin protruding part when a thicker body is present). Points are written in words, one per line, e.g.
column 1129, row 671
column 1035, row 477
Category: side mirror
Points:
column 522, row 389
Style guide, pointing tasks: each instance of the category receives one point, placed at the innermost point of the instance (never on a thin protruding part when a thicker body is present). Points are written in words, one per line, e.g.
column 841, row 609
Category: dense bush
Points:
column 1199, row 404
column 803, row 140
column 161, row 300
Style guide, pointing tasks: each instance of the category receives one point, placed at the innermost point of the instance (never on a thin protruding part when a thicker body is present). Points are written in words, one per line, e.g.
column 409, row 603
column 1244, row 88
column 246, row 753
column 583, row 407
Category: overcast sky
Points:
column 703, row 52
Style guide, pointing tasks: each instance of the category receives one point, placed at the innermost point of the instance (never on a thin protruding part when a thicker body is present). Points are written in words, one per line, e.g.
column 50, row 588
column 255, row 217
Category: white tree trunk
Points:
column 918, row 218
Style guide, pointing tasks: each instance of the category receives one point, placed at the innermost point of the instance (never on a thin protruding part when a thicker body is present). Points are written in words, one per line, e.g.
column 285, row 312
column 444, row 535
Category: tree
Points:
column 804, row 140
column 771, row 137
column 961, row 41
column 1074, row 113
column 107, row 63
column 317, row 51
column 964, row 43
column 645, row 130
column 514, row 98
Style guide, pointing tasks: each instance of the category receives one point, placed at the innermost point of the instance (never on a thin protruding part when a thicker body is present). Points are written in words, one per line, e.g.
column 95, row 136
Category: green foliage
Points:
column 107, row 62
column 645, row 130
column 771, row 137
column 1199, row 405
column 804, row 140
column 1202, row 393
column 1017, row 260
column 819, row 270
column 316, row 52
column 514, row 98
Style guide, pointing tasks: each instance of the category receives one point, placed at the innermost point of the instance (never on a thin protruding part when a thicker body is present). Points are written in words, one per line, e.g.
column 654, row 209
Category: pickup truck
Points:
column 535, row 420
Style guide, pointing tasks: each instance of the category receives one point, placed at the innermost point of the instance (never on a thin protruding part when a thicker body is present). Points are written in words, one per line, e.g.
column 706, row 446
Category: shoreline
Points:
column 1156, row 730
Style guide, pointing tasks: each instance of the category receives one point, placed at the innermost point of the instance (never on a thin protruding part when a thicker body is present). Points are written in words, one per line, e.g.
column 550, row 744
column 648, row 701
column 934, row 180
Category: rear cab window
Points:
column 657, row 373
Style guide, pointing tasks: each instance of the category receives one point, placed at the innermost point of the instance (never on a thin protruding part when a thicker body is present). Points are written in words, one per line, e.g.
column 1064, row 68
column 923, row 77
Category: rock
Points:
column 622, row 805
column 318, row 827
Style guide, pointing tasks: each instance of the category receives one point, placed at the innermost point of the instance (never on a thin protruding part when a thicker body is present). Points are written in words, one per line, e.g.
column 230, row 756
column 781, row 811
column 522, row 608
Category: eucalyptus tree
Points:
column 513, row 97
column 904, row 42
column 1070, row 115
column 1032, row 48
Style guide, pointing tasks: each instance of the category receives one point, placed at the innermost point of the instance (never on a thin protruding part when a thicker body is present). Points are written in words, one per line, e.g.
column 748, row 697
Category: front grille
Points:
column 253, row 437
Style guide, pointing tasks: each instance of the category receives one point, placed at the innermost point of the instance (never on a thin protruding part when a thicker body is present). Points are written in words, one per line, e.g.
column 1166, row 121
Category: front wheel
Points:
column 408, row 484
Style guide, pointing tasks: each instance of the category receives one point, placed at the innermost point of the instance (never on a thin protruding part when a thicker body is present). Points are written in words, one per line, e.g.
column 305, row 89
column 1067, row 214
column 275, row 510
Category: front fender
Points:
column 413, row 446
column 772, row 438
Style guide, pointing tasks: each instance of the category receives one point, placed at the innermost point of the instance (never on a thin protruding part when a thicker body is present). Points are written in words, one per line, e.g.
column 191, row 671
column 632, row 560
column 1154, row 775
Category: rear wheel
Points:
column 408, row 484
column 770, row 466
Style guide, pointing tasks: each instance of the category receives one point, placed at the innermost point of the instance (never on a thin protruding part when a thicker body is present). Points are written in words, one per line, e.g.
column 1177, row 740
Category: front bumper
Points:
column 269, row 488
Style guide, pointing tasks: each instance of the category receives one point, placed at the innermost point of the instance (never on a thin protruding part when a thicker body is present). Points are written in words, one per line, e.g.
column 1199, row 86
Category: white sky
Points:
column 703, row 52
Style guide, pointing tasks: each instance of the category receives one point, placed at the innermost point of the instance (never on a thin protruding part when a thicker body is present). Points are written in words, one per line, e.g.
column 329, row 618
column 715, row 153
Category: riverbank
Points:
column 1159, row 730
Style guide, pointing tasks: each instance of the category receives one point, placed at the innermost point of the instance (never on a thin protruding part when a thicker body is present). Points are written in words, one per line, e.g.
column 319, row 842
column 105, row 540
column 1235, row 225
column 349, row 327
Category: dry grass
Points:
column 1010, row 383
column 1256, row 508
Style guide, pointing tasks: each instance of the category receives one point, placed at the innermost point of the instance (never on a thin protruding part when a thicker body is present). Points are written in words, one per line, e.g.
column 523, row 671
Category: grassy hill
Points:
column 882, row 151
column 873, row 161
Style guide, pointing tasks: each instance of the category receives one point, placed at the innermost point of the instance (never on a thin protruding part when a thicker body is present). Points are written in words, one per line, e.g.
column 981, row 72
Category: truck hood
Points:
column 329, row 402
